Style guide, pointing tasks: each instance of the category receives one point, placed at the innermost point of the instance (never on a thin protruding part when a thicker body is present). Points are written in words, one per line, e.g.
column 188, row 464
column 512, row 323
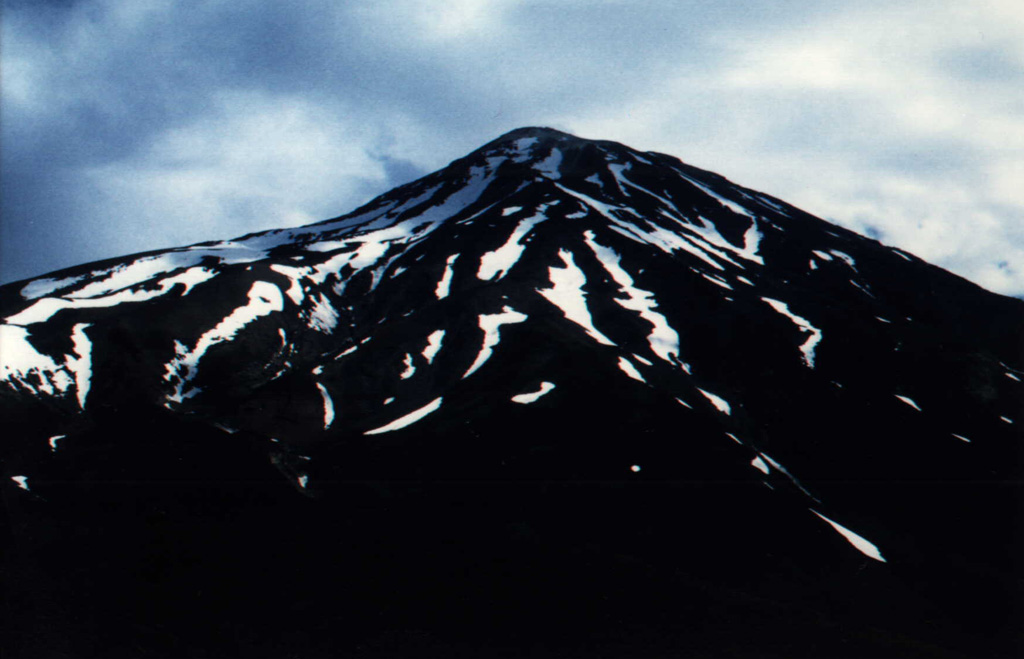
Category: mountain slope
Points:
column 559, row 387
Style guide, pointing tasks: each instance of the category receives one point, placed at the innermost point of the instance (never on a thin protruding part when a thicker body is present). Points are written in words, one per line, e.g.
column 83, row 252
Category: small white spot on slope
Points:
column 862, row 545
column 409, row 368
column 879, row 318
column 328, row 406
column 446, row 279
column 734, row 438
column 759, row 464
column 490, row 324
column 511, row 209
column 1012, row 377
column 961, row 438
column 630, row 370
column 531, row 397
column 54, row 440
column 720, row 403
column 908, row 401
column 408, row 419
column 389, row 400
column 433, row 345
column 684, row 403
column 303, row 481
column 1006, row 419
column 22, row 482
column 635, row 469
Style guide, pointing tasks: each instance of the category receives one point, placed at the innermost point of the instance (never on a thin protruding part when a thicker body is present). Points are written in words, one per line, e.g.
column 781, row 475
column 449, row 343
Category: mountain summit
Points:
column 559, row 398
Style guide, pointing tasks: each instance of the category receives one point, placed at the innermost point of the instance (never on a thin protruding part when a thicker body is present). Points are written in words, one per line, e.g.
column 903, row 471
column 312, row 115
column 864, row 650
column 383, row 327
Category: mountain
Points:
column 559, row 398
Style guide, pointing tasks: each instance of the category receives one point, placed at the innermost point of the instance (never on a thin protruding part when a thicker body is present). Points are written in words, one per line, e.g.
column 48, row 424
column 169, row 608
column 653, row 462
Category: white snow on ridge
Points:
column 328, row 406
column 20, row 361
column 812, row 341
column 824, row 256
column 408, row 419
column 433, row 345
column 720, row 403
column 446, row 279
column 531, row 397
column 40, row 287
column 510, row 210
column 731, row 205
column 264, row 298
column 630, row 370
column 664, row 340
column 22, row 482
column 862, row 545
column 490, row 324
column 908, row 401
column 500, row 261
column 44, row 308
column 567, row 294
column 549, row 165
column 759, row 464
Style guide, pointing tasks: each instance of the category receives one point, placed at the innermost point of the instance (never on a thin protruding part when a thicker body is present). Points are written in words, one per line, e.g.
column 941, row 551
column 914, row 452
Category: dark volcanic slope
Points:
column 560, row 397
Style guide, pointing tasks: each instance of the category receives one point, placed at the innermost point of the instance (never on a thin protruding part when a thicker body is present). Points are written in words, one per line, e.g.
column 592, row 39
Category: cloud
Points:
column 136, row 124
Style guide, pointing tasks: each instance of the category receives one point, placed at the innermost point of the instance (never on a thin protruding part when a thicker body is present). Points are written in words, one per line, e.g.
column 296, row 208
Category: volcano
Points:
column 561, row 398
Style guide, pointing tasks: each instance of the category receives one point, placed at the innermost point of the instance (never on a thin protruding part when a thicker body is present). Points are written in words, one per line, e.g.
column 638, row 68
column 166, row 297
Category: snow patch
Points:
column 410, row 369
column 500, row 261
column 54, row 440
column 531, row 397
column 510, row 210
column 408, row 419
column 961, row 438
column 446, row 278
column 812, row 341
column 490, row 324
column 630, row 370
column 80, row 363
column 22, row 482
column 862, row 545
column 908, row 401
column 664, row 340
column 720, row 403
column 433, row 345
column 759, row 464
column 264, row 298
column 328, row 405
column 567, row 294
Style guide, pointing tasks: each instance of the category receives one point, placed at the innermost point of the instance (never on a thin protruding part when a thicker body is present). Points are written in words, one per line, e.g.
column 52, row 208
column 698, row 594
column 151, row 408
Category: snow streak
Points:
column 500, row 261
column 446, row 278
column 531, row 397
column 812, row 341
column 433, row 345
column 490, row 324
column 862, row 545
column 567, row 294
column 664, row 340
column 408, row 419
column 328, row 406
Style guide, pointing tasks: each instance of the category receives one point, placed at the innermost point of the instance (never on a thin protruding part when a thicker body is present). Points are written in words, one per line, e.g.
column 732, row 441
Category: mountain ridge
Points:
column 552, row 344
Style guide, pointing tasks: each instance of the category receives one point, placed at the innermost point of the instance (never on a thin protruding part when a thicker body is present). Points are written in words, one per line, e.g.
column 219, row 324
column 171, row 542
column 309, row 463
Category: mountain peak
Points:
column 646, row 364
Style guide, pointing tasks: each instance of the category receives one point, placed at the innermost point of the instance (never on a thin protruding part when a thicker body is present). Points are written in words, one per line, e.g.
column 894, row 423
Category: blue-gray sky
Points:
column 139, row 124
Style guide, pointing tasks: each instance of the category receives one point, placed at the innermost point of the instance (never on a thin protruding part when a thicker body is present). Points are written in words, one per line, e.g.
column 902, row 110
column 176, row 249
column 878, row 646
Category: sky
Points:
column 129, row 125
